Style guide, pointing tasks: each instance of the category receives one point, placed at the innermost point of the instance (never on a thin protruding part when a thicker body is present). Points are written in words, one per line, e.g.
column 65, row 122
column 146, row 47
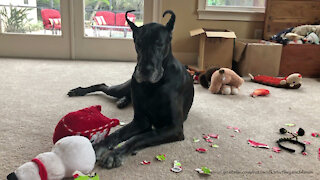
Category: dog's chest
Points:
column 155, row 103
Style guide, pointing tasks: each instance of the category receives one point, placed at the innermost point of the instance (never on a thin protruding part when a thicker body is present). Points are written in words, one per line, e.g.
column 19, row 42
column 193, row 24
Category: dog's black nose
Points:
column 12, row 176
column 221, row 71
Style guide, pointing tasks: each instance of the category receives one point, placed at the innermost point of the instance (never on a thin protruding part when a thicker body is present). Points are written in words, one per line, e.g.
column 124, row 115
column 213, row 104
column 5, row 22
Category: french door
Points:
column 73, row 29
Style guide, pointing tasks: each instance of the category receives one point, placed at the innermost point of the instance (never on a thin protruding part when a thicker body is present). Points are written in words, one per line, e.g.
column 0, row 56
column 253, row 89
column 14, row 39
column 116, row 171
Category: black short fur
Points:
column 205, row 78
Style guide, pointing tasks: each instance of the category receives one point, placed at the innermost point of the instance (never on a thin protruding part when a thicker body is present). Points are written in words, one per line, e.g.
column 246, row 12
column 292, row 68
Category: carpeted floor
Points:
column 33, row 99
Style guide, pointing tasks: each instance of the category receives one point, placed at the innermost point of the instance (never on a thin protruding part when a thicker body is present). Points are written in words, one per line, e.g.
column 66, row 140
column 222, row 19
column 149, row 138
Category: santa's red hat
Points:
column 88, row 122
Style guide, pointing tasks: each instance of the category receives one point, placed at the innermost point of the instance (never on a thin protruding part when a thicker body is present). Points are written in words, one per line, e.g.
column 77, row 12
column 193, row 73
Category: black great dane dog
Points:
column 160, row 89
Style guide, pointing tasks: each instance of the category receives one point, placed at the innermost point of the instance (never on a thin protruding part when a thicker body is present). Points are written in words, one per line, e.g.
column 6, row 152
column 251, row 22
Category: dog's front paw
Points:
column 100, row 150
column 111, row 160
column 123, row 102
column 79, row 91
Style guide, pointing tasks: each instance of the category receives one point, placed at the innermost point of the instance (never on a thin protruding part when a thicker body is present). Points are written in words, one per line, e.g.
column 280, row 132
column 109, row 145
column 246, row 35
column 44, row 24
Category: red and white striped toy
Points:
column 88, row 122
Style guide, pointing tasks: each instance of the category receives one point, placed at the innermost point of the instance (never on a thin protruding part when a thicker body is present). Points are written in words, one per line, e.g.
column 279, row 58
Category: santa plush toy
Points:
column 293, row 81
column 88, row 122
column 69, row 154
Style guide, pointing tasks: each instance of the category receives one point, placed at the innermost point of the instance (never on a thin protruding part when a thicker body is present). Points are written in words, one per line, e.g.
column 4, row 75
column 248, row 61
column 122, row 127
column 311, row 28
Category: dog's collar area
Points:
column 42, row 169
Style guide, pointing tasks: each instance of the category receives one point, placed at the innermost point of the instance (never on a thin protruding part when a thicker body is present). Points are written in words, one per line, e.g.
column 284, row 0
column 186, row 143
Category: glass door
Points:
column 102, row 31
column 73, row 29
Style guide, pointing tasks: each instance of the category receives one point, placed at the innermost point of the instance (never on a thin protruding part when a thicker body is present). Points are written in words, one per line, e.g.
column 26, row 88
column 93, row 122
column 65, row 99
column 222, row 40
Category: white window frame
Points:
column 230, row 13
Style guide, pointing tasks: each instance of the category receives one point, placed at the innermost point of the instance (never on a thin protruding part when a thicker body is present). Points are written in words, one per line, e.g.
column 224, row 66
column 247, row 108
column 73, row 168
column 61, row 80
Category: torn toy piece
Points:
column 236, row 129
column 256, row 144
column 145, row 162
column 216, row 136
column 304, row 153
column 229, row 127
column 214, row 145
column 204, row 170
column 307, row 142
column 260, row 92
column 201, row 150
column 209, row 140
column 276, row 149
column 290, row 125
column 196, row 140
column 315, row 134
column 161, row 157
column 206, row 137
column 176, row 167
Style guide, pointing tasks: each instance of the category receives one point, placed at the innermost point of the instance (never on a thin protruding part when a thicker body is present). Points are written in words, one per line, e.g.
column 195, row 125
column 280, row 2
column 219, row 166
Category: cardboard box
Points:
column 301, row 58
column 215, row 48
column 257, row 57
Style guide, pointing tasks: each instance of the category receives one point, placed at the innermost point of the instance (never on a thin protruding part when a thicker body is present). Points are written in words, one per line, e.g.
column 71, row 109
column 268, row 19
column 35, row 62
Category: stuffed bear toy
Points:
column 88, row 122
column 304, row 30
column 69, row 154
column 222, row 81
column 293, row 81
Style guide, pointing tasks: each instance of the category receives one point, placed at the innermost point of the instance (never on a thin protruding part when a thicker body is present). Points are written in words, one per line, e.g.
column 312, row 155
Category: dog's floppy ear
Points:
column 131, row 24
column 170, row 23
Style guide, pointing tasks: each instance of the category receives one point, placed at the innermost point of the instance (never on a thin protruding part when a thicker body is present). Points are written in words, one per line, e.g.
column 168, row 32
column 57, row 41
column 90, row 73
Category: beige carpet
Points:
column 33, row 99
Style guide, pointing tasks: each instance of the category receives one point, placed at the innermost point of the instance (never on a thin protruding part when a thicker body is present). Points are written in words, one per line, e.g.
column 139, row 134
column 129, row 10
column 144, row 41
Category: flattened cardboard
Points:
column 257, row 58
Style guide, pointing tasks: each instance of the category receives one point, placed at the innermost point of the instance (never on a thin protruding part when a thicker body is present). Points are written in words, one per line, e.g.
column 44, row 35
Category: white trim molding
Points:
column 230, row 13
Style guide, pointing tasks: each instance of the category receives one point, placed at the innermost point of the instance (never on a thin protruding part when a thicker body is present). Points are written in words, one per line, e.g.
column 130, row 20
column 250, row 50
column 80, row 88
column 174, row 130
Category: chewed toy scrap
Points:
column 256, row 144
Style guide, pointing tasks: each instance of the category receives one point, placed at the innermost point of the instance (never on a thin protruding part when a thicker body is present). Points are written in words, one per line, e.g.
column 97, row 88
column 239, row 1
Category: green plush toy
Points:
column 77, row 175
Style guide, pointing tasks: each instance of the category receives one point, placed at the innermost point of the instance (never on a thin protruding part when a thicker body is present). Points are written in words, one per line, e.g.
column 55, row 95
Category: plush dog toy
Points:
column 222, row 81
column 304, row 30
column 88, row 122
column 68, row 155
column 293, row 81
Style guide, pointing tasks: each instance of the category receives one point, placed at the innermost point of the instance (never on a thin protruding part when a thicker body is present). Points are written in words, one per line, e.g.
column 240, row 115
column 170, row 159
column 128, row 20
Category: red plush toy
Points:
column 88, row 122
column 293, row 81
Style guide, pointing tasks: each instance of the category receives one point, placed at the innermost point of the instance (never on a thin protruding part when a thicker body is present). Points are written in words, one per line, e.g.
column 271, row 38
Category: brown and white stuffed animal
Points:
column 222, row 81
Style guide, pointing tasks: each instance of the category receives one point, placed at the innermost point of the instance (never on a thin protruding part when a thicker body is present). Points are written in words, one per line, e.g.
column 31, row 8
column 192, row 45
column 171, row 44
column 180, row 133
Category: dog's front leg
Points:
column 155, row 137
column 120, row 135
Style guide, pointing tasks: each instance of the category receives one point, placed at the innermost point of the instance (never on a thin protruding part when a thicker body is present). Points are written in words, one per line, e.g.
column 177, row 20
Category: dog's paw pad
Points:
column 111, row 160
column 79, row 91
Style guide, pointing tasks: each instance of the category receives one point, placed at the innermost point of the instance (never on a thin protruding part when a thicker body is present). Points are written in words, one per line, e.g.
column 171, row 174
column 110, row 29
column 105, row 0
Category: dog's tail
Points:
column 131, row 24
column 170, row 23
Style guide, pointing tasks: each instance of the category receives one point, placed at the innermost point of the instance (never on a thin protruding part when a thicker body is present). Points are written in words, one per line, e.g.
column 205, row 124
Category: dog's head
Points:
column 153, row 45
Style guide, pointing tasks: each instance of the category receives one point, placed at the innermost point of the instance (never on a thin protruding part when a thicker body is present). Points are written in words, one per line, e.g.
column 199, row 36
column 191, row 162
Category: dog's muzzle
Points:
column 153, row 77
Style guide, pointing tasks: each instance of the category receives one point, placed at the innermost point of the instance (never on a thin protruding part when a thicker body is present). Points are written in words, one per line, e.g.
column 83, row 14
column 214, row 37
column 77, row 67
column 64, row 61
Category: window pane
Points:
column 30, row 17
column 106, row 18
column 244, row 3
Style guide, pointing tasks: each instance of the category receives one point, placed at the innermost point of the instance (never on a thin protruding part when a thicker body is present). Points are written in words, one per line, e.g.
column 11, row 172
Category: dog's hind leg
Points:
column 121, row 91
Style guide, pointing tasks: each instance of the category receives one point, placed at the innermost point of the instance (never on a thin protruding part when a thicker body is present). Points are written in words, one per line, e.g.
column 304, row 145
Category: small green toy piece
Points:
column 290, row 125
column 204, row 170
column 196, row 140
column 77, row 175
column 214, row 145
column 161, row 157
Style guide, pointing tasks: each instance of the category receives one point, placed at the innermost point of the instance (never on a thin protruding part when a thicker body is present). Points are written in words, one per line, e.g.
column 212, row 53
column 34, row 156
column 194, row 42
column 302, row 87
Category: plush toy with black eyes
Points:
column 293, row 81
